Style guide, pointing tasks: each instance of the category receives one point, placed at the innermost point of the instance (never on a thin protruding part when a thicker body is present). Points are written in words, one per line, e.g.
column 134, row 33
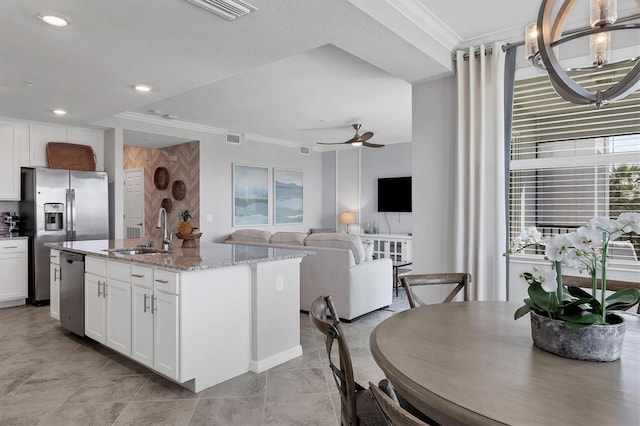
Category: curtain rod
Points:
column 574, row 31
column 487, row 51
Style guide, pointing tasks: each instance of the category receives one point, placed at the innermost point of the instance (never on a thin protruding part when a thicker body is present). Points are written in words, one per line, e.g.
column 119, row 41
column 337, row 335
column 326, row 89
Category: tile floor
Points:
column 51, row 377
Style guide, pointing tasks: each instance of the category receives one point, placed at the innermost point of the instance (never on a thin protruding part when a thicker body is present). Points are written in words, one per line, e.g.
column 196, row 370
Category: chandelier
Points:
column 543, row 37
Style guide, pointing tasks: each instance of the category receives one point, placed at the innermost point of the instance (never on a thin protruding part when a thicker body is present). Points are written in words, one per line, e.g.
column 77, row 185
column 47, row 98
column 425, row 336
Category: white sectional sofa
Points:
column 340, row 268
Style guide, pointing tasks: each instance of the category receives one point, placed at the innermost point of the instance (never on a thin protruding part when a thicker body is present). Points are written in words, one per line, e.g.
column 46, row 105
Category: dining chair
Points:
column 357, row 404
column 613, row 285
column 394, row 413
column 461, row 280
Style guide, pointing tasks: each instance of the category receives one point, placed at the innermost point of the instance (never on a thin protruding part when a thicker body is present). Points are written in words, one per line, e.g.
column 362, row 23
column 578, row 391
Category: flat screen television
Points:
column 394, row 194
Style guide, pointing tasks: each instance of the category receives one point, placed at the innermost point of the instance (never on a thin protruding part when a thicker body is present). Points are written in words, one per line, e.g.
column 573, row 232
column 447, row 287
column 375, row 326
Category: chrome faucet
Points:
column 166, row 237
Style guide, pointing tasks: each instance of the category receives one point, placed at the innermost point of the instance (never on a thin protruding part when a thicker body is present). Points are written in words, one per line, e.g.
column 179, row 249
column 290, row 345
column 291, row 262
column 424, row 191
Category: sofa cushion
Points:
column 291, row 238
column 338, row 240
column 250, row 236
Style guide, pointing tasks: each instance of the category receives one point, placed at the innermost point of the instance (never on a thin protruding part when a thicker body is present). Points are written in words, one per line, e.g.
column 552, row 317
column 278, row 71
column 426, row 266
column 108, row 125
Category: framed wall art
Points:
column 250, row 195
column 288, row 196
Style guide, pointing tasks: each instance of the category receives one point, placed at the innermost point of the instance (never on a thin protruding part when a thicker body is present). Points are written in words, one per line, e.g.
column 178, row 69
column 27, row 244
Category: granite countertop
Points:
column 207, row 256
column 4, row 237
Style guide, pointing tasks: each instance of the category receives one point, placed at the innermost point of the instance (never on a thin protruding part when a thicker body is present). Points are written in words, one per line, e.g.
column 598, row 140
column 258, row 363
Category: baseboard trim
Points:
column 258, row 366
column 13, row 303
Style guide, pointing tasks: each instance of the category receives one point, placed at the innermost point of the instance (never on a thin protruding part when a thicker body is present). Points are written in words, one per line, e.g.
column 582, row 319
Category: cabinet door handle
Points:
column 144, row 305
column 55, row 274
column 10, row 247
column 104, row 289
column 153, row 304
column 99, row 295
column 162, row 281
column 137, row 275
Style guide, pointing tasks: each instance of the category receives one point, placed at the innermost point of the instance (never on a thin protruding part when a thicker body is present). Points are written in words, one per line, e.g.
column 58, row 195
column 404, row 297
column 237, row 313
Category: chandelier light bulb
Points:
column 600, row 48
column 531, row 40
column 603, row 12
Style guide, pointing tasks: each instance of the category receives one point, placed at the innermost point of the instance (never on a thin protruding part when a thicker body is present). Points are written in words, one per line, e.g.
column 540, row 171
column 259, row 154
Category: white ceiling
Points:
column 295, row 71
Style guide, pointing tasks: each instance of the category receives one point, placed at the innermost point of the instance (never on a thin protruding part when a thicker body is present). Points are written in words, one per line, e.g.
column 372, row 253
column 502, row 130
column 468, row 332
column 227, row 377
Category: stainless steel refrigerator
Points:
column 60, row 205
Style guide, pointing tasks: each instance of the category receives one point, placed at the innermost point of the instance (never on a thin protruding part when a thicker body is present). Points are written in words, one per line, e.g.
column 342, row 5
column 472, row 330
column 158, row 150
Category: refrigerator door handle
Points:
column 73, row 214
column 68, row 221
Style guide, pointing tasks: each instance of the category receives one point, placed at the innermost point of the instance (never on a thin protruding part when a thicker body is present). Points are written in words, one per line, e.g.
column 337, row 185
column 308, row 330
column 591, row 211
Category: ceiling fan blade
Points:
column 365, row 136
column 333, row 143
column 372, row 145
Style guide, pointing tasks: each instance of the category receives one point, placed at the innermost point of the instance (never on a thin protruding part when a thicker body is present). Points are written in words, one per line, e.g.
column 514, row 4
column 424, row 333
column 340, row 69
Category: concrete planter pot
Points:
column 593, row 343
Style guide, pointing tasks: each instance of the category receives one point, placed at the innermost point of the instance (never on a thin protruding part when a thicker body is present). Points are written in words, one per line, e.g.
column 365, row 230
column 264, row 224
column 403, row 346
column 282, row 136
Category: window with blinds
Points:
column 570, row 162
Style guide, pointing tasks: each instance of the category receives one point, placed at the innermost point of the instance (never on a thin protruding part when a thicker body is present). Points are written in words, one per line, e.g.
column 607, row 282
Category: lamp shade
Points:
column 347, row 218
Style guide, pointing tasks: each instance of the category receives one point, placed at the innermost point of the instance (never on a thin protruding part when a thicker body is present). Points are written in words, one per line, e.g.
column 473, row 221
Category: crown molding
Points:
column 426, row 21
column 178, row 124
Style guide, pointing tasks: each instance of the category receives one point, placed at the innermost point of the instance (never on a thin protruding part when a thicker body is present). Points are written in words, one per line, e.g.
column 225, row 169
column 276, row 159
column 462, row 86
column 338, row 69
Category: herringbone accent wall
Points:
column 183, row 163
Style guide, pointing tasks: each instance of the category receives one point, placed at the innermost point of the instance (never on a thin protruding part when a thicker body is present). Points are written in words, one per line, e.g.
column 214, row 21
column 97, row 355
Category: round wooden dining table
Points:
column 471, row 363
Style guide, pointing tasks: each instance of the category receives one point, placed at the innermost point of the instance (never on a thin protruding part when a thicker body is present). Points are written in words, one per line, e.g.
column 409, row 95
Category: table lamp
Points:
column 347, row 218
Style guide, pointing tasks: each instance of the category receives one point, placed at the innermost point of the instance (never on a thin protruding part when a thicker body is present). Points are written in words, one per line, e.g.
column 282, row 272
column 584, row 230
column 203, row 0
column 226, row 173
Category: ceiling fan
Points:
column 357, row 139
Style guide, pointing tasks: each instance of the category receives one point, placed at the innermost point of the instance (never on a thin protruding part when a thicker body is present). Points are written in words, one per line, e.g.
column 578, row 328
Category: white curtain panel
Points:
column 479, row 237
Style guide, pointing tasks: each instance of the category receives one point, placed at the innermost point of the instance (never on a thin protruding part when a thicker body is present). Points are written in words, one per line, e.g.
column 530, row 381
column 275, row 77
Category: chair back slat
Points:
column 462, row 281
column 322, row 308
column 395, row 414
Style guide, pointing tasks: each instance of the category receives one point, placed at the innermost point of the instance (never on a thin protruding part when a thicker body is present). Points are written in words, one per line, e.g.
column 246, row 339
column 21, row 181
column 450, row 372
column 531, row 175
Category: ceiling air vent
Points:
column 233, row 138
column 228, row 9
column 305, row 150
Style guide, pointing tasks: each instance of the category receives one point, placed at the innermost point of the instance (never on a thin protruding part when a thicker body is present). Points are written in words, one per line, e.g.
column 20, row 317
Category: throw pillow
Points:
column 291, row 238
column 250, row 236
column 337, row 240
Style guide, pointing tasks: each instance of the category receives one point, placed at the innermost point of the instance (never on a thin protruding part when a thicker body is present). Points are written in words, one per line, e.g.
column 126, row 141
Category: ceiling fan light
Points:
column 55, row 20
column 602, row 12
column 357, row 143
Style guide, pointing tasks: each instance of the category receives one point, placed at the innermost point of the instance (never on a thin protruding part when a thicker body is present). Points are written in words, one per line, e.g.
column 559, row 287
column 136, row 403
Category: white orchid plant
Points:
column 585, row 249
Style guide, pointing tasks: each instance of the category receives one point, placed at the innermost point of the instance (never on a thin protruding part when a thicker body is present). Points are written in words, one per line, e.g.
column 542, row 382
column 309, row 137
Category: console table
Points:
column 396, row 247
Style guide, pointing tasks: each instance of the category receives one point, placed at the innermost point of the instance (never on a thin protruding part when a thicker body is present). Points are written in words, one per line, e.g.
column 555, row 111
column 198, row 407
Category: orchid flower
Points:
column 547, row 278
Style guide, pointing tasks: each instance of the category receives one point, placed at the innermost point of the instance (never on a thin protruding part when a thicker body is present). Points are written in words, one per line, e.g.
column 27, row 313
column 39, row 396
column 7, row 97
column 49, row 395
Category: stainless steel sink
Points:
column 132, row 251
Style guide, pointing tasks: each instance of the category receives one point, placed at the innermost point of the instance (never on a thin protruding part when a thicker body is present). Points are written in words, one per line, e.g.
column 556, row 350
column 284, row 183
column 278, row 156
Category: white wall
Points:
column 433, row 157
column 390, row 161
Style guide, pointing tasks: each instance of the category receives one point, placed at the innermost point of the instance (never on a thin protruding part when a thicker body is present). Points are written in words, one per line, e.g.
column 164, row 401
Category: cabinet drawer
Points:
column 95, row 266
column 167, row 281
column 54, row 257
column 119, row 271
column 142, row 276
column 13, row 246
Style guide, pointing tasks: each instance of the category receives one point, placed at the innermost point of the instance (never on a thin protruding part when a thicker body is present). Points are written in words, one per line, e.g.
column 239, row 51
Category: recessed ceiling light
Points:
column 58, row 111
column 56, row 20
column 142, row 88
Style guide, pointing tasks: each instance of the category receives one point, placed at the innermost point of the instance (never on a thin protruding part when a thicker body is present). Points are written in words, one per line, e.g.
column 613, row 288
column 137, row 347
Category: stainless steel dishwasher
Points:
column 72, row 292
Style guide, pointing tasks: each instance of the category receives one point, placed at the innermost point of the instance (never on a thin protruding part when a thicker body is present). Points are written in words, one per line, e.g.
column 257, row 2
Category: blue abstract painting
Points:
column 288, row 189
column 250, row 195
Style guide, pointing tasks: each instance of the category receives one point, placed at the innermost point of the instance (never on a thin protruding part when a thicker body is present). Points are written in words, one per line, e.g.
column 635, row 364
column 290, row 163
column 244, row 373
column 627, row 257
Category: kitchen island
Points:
column 198, row 316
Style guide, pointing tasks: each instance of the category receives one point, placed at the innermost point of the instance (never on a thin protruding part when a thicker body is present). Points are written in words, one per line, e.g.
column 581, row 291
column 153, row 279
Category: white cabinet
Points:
column 165, row 334
column 94, row 306
column 390, row 246
column 41, row 134
column 54, row 284
column 118, row 317
column 108, row 303
column 13, row 266
column 155, row 319
column 142, row 325
column 11, row 147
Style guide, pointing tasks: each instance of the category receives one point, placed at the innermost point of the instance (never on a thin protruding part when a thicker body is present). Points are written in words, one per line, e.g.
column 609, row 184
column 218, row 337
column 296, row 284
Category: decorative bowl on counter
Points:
column 189, row 240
